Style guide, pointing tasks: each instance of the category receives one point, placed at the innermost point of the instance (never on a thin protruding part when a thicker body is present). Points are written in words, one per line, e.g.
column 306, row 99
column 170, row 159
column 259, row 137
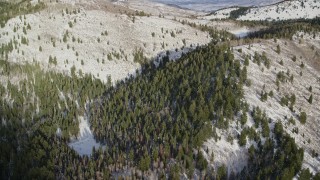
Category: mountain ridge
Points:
column 284, row 10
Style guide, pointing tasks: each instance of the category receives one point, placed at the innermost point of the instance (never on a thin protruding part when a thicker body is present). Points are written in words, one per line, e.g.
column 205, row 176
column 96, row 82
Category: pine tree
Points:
column 243, row 138
column 310, row 99
column 303, row 117
column 244, row 118
column 278, row 49
column 201, row 162
column 246, row 61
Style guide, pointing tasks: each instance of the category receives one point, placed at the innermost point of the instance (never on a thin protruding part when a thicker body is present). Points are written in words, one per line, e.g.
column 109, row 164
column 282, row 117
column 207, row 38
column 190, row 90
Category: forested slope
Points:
column 167, row 112
column 152, row 124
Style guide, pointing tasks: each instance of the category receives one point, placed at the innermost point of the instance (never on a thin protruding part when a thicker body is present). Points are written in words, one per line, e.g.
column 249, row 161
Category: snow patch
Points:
column 58, row 132
column 232, row 155
column 241, row 32
column 85, row 142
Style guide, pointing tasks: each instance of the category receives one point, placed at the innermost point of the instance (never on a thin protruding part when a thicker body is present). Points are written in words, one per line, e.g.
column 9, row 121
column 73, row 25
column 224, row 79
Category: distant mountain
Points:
column 212, row 5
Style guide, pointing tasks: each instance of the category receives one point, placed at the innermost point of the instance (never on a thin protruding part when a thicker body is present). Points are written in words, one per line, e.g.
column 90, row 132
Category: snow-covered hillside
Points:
column 286, row 10
column 99, row 38
column 226, row 150
column 221, row 14
column 264, row 79
column 295, row 9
